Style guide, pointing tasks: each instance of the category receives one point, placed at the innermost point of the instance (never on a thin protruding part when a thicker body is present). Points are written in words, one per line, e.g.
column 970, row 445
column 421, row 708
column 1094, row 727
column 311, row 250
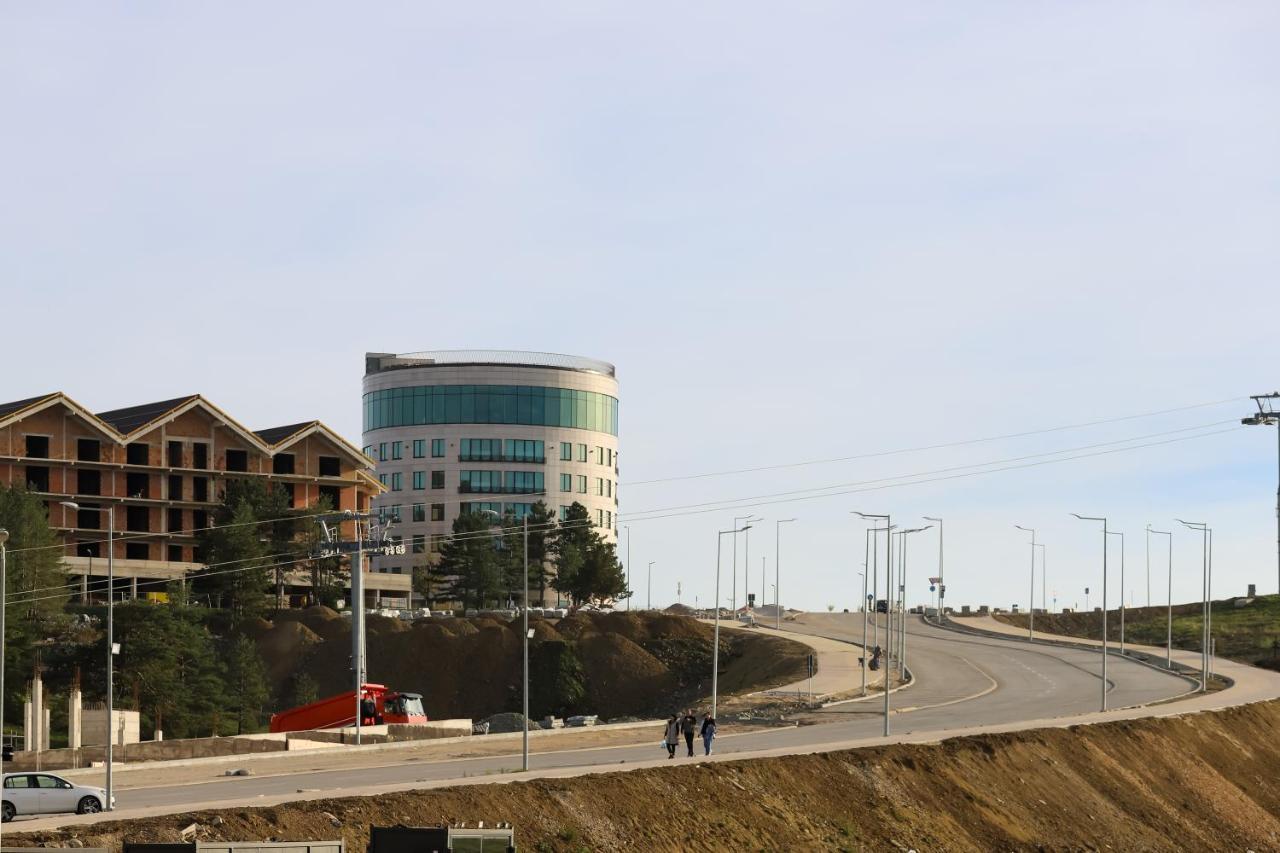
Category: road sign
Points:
column 935, row 580
column 932, row 588
column 812, row 666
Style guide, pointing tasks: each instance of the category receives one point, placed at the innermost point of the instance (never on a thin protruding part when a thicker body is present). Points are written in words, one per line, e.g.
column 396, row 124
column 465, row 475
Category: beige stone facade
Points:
column 450, row 474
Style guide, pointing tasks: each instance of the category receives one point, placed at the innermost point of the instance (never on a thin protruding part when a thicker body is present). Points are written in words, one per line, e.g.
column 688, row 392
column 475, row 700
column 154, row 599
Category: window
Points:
column 566, row 451
column 397, row 449
column 37, row 478
column 22, row 781
column 137, row 485
column 599, row 455
column 397, row 481
column 175, row 553
column 419, row 448
column 437, row 448
column 437, row 512
column 88, row 518
column 174, row 520
column 480, row 450
column 88, row 482
column 382, row 452
column 137, row 551
column 437, row 479
column 199, row 519
column 369, row 450
column 199, row 455
column 37, row 447
column 599, row 518
column 175, row 487
column 481, row 508
column 419, row 512
column 332, row 495
column 382, row 478
column 608, row 488
column 490, row 404
column 566, row 482
column 88, row 449
column 564, row 512
column 89, row 549
column 582, row 484
column 394, row 512
column 419, row 479
column 237, row 460
column 174, row 453
column 137, row 453
column 599, row 484
column 419, row 543
column 437, row 540
column 523, row 450
column 282, row 463
column 138, row 518
column 200, row 489
column 287, row 488
column 480, row 481
column 517, row 511
column 522, row 482
column 582, row 453
column 330, row 466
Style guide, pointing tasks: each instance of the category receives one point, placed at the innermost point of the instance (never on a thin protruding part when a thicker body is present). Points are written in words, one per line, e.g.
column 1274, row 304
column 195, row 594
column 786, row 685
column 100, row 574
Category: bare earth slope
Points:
column 1198, row 782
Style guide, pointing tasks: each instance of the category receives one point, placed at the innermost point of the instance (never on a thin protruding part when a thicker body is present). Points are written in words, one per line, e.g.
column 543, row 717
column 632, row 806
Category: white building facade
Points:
column 470, row 431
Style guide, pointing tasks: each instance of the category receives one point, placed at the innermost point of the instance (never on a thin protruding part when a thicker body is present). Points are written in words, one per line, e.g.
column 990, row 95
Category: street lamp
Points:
column 715, row 648
column 777, row 571
column 1104, row 599
column 902, row 596
column 111, row 639
column 863, row 574
column 1031, row 607
column 737, row 519
column 888, row 582
column 626, row 527
column 746, row 562
column 1168, row 646
column 649, row 588
column 1206, row 607
column 1268, row 416
column 1121, row 535
column 942, row 581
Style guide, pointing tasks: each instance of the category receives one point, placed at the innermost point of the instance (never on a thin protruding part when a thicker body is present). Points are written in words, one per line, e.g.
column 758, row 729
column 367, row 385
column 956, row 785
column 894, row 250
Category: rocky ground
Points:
column 1199, row 782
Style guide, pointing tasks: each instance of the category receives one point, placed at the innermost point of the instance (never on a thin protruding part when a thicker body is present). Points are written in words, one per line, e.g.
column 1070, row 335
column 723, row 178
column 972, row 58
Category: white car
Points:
column 44, row 793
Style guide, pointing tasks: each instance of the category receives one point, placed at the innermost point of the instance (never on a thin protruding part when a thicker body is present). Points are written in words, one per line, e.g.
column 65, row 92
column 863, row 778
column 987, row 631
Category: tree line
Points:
column 482, row 563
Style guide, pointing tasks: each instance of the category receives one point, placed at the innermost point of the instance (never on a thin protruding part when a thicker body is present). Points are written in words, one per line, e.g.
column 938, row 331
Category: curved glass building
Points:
column 488, row 430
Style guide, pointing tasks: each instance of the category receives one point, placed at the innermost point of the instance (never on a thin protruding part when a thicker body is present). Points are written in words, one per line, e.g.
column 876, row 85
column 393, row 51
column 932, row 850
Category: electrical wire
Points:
column 921, row 448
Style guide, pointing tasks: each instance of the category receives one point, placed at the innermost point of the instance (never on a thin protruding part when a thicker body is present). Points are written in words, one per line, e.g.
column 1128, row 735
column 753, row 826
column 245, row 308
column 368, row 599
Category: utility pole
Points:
column 888, row 585
column 1268, row 416
column 1104, row 599
column 1031, row 606
column 1121, row 535
column 627, row 527
column 525, row 640
column 942, row 579
column 1168, row 645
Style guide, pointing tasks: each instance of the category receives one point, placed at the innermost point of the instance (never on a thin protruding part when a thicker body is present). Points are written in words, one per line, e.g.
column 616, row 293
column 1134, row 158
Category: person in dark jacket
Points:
column 672, row 738
column 708, row 732
column 688, row 725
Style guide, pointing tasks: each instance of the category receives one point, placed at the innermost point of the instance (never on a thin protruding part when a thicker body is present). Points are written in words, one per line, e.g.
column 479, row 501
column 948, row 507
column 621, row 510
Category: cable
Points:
column 731, row 505
column 633, row 483
column 952, row 468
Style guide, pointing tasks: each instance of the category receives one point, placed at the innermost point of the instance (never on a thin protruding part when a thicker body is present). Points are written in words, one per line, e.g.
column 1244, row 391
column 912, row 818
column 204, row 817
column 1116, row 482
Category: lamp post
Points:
column 863, row 575
column 1044, row 586
column 627, row 527
column 1104, row 599
column 649, row 588
column 1121, row 535
column 746, row 562
column 111, row 641
column 902, row 599
column 715, row 647
column 942, row 580
column 733, row 595
column 777, row 572
column 888, row 582
column 1168, row 646
column 1205, row 606
column 1031, row 606
column 1268, row 416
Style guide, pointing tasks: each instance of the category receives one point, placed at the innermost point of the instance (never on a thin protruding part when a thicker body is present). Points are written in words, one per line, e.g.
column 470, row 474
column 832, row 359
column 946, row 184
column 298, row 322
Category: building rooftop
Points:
column 19, row 405
column 126, row 420
column 376, row 362
column 275, row 435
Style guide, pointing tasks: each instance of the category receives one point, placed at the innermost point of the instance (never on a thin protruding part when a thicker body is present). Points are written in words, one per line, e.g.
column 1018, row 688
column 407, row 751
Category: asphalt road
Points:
column 962, row 683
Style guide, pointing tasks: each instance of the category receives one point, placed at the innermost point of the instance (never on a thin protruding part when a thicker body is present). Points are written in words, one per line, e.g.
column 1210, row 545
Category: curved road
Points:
column 963, row 684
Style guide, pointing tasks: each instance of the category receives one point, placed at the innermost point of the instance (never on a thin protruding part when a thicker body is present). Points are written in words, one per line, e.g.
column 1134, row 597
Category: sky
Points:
column 802, row 232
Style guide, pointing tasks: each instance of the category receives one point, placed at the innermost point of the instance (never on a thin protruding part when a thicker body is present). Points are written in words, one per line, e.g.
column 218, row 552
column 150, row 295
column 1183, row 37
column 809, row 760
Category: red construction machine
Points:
column 378, row 705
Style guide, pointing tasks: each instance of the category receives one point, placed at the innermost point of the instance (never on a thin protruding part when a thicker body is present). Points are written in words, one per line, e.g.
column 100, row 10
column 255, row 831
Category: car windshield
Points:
column 413, row 706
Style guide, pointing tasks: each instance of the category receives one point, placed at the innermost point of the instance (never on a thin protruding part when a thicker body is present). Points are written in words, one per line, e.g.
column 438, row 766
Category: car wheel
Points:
column 6, row 812
column 89, row 805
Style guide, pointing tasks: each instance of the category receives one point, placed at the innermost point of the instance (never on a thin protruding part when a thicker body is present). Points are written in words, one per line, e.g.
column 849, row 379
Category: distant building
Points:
column 457, row 432
column 163, row 468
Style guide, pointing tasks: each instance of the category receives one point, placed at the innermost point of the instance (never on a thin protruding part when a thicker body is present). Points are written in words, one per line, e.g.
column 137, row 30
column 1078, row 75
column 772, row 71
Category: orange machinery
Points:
column 379, row 705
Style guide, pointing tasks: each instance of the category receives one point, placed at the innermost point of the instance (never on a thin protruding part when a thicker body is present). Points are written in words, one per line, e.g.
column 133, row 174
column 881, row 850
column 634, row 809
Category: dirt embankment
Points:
column 616, row 664
column 1201, row 782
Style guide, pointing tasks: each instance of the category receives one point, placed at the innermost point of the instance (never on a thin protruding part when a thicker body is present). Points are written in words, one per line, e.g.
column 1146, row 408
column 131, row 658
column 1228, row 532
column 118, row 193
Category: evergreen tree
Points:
column 470, row 570
column 246, row 690
column 237, row 577
column 542, row 523
column 587, row 567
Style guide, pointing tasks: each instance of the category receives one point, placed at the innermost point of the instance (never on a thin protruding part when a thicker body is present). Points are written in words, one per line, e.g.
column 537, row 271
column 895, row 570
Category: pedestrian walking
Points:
column 688, row 725
column 672, row 739
column 708, row 732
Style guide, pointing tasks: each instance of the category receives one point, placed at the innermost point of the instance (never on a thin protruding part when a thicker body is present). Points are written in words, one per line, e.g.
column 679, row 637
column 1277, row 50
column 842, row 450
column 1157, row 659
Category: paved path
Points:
column 965, row 685
column 838, row 663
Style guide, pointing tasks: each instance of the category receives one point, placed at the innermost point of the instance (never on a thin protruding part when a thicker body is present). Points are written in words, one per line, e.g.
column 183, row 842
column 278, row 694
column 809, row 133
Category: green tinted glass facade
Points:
column 490, row 404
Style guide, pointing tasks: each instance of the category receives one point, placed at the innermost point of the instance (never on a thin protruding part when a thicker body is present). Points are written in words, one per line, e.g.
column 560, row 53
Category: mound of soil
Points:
column 282, row 646
column 542, row 631
column 621, row 676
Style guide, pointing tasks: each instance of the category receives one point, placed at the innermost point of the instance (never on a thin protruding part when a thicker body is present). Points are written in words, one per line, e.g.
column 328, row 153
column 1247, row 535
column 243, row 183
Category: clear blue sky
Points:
column 801, row 232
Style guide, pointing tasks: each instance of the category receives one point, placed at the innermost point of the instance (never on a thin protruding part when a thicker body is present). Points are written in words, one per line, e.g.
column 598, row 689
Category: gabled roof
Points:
column 126, row 420
column 7, row 409
column 275, row 435
column 297, row 432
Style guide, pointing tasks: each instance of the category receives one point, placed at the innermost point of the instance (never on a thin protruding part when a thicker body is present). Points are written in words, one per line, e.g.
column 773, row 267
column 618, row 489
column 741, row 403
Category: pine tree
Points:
column 470, row 570
column 246, row 683
column 587, row 567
